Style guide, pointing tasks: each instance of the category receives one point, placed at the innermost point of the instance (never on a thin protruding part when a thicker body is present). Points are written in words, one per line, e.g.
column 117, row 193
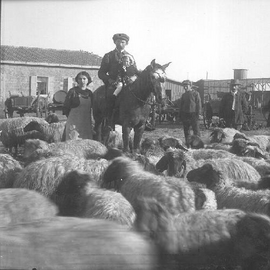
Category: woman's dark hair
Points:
column 83, row 73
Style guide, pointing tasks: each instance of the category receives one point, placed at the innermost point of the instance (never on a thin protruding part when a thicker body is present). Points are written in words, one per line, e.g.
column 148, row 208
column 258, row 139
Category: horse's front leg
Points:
column 125, row 135
column 138, row 132
column 97, row 131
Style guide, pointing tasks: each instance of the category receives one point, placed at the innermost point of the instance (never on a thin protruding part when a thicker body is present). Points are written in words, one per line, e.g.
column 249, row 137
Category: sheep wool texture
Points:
column 75, row 243
column 261, row 165
column 132, row 182
column 21, row 205
column 89, row 149
column 111, row 205
column 9, row 167
column 257, row 201
column 45, row 175
column 13, row 135
column 228, row 237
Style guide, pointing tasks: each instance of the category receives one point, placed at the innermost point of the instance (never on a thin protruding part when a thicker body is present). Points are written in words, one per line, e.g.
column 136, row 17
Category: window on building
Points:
column 42, row 85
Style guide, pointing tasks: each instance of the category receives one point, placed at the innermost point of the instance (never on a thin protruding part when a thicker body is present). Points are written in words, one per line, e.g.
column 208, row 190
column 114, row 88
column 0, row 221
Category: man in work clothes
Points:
column 233, row 106
column 190, row 109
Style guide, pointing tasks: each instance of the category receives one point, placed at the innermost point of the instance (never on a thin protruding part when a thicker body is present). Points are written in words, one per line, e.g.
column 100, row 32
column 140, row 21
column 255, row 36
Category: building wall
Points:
column 21, row 79
column 176, row 89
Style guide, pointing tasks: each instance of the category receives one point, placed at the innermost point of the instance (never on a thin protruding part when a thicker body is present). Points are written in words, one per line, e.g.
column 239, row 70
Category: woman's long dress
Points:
column 79, row 121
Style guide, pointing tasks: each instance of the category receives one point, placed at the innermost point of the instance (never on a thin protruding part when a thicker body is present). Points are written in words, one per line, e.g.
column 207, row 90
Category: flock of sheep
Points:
column 80, row 204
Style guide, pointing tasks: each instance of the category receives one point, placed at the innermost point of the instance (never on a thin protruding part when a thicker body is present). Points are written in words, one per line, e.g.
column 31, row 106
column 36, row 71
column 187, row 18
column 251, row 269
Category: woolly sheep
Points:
column 229, row 196
column 178, row 163
column 194, row 142
column 152, row 150
column 115, row 138
column 204, row 198
column 169, row 141
column 78, row 195
column 18, row 205
column 45, row 175
column 13, row 134
column 224, row 135
column 262, row 141
column 89, row 149
column 261, row 165
column 229, row 238
column 75, row 243
column 53, row 132
column 132, row 181
column 9, row 167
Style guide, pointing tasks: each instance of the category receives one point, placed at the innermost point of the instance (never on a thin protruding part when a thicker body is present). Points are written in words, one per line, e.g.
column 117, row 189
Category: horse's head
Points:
column 157, row 78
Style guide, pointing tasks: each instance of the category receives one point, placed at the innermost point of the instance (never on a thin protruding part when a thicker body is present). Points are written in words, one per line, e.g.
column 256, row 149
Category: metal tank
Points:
column 240, row 74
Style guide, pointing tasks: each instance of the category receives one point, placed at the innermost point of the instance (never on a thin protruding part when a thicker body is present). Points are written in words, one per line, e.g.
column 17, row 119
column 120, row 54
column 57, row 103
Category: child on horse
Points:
column 112, row 71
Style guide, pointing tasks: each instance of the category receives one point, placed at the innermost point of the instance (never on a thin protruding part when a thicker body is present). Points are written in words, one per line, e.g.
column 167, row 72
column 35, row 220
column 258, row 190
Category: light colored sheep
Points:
column 45, row 175
column 18, row 205
column 229, row 238
column 13, row 134
column 9, row 167
column 53, row 132
column 89, row 149
column 75, row 243
column 261, row 165
column 204, row 198
column 230, row 196
column 132, row 181
column 78, row 195
column 179, row 163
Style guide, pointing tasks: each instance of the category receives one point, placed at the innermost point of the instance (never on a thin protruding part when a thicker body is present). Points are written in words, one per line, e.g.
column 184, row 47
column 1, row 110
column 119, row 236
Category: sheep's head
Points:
column 117, row 172
column 167, row 142
column 31, row 145
column 242, row 147
column 205, row 175
column 194, row 142
column 174, row 162
column 217, row 135
column 240, row 136
column 147, row 144
column 71, row 193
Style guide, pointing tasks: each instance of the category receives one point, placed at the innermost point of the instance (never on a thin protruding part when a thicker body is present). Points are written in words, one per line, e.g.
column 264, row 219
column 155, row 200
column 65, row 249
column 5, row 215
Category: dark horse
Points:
column 133, row 104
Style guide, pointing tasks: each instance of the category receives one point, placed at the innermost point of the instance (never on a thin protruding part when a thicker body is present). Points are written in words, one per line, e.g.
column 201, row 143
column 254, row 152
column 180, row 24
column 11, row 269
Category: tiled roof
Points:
column 51, row 56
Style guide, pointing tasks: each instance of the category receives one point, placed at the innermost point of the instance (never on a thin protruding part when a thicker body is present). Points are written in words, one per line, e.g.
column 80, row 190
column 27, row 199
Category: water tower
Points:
column 240, row 74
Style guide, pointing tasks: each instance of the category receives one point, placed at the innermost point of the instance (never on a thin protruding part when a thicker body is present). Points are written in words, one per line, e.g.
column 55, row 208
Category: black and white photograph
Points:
column 135, row 134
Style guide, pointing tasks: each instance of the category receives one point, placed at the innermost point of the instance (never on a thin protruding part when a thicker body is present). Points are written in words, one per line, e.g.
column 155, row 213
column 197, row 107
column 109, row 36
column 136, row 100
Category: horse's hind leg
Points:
column 125, row 136
column 138, row 132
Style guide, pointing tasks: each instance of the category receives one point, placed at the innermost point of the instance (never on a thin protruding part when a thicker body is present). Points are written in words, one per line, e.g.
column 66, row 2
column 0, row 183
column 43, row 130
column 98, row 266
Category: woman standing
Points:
column 78, row 109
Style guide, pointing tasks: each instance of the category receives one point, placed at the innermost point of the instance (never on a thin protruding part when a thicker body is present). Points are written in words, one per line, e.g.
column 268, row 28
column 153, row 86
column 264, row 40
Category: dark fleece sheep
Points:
column 19, row 205
column 227, row 238
column 78, row 195
column 132, row 181
column 75, row 243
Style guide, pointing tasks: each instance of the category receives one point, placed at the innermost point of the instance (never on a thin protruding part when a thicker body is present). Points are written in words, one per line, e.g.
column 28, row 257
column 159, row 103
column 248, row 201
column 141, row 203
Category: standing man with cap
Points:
column 111, row 66
column 189, row 109
column 233, row 106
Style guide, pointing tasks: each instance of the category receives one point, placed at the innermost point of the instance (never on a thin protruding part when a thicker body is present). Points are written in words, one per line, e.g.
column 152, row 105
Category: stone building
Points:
column 27, row 70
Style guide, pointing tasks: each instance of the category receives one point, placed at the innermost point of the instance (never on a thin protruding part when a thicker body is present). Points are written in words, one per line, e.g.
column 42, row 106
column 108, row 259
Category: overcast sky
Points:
column 200, row 37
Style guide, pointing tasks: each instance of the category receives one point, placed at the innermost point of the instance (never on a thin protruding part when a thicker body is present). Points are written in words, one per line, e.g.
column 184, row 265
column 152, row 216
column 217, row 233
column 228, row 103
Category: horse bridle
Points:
column 158, row 74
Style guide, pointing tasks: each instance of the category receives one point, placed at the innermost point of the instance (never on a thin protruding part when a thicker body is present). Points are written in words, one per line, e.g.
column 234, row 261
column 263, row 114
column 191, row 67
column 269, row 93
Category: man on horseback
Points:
column 118, row 68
